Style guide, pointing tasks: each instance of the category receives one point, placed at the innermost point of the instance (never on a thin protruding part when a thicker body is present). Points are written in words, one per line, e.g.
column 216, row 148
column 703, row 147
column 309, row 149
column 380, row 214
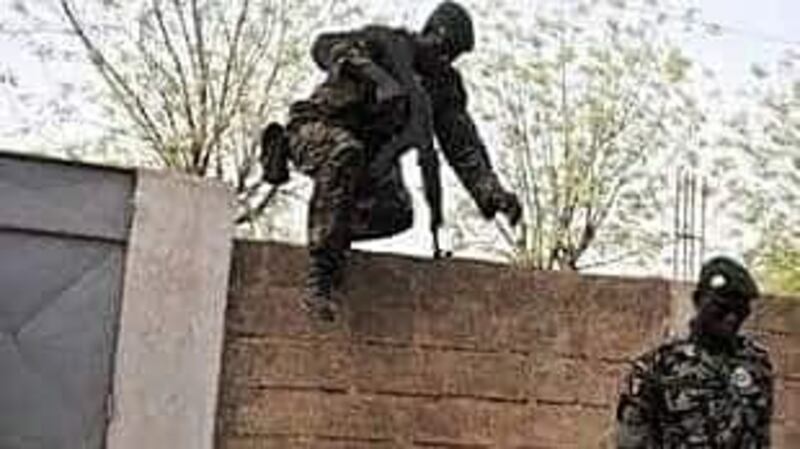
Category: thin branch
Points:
column 176, row 60
column 277, row 65
column 221, row 123
column 187, row 40
column 166, row 106
column 603, row 212
column 233, row 50
column 249, row 68
column 152, row 62
column 117, row 83
column 253, row 213
column 517, row 115
column 204, row 85
column 506, row 233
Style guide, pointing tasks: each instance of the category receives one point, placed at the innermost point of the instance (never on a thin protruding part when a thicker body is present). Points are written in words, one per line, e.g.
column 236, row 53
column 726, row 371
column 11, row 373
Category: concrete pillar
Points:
column 170, row 335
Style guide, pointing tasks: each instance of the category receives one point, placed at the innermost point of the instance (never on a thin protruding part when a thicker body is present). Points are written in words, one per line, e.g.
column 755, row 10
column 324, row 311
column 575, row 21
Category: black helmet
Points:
column 456, row 21
column 725, row 278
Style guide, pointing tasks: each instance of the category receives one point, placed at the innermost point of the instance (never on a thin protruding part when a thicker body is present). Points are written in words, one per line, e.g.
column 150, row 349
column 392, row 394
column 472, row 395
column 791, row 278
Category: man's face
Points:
column 436, row 52
column 720, row 317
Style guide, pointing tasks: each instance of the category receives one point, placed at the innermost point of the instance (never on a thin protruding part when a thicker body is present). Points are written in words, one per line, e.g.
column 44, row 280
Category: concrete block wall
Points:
column 449, row 354
column 776, row 324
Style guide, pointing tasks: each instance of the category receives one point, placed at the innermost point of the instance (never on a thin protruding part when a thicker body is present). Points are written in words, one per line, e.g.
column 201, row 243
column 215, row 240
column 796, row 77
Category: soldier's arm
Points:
column 327, row 47
column 383, row 56
column 356, row 51
column 463, row 147
column 637, row 426
column 764, row 422
column 395, row 50
column 416, row 133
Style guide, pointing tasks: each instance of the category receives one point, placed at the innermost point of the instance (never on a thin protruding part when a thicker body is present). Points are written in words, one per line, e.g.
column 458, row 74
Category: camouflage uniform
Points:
column 456, row 133
column 331, row 137
column 335, row 135
column 684, row 396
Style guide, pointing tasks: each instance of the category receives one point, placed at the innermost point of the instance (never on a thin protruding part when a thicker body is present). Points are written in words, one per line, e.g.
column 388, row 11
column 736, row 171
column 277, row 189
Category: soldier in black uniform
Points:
column 387, row 90
column 712, row 390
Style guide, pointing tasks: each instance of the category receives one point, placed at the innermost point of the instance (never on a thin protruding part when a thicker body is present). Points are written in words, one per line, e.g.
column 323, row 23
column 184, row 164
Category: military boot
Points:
column 275, row 154
column 318, row 298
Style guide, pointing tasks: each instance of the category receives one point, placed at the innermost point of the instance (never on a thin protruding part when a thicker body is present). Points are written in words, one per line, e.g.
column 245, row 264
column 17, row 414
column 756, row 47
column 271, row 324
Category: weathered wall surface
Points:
column 450, row 354
column 167, row 360
column 776, row 324
column 63, row 229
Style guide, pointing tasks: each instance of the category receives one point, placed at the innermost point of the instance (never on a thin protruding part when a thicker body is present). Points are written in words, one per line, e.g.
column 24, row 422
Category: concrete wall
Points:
column 167, row 360
column 113, row 286
column 450, row 354
column 776, row 324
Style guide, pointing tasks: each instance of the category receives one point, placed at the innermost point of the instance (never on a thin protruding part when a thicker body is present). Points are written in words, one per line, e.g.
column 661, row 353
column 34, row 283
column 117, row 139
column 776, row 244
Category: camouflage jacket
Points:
column 453, row 126
column 681, row 395
column 348, row 98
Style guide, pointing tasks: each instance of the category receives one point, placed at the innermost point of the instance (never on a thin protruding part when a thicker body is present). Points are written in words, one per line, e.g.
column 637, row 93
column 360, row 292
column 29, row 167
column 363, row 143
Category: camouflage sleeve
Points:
column 764, row 431
column 637, row 427
column 460, row 142
column 328, row 47
column 358, row 53
column 322, row 48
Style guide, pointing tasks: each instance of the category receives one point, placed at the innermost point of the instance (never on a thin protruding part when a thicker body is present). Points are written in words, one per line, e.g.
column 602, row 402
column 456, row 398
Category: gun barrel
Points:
column 432, row 185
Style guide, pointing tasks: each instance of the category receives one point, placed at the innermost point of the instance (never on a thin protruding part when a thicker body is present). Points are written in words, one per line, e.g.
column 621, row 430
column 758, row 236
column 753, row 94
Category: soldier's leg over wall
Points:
column 333, row 198
column 335, row 160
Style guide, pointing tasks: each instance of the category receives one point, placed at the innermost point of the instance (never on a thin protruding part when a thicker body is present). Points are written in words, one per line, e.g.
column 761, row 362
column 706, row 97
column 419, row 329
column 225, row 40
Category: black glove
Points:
column 274, row 154
column 508, row 204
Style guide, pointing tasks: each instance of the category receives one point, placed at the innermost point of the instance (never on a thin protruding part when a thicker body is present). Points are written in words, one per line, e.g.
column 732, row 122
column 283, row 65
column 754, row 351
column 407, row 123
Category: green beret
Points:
column 725, row 278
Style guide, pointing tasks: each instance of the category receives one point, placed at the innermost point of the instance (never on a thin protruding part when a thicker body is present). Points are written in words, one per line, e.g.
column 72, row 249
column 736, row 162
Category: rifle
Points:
column 393, row 75
column 428, row 162
column 417, row 133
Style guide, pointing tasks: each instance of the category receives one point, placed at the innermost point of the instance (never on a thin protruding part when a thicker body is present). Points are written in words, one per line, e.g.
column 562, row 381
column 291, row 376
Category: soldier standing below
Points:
column 711, row 390
column 387, row 90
